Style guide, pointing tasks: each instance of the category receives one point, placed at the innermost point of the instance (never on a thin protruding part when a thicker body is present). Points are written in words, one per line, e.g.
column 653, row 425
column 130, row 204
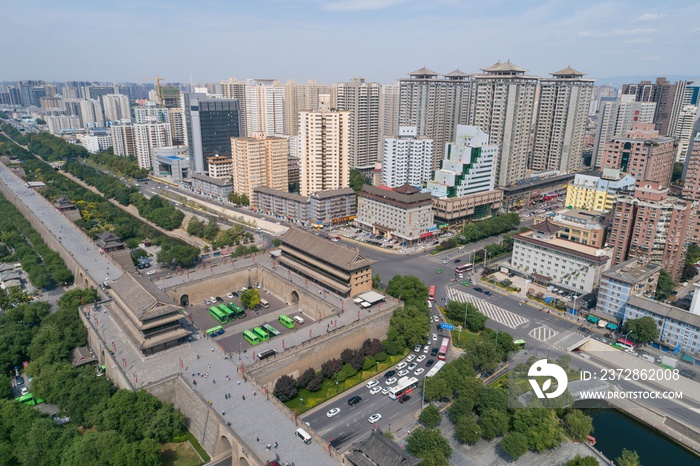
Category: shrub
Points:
column 315, row 384
column 286, row 388
column 305, row 377
column 331, row 367
column 369, row 363
column 380, row 357
column 345, row 373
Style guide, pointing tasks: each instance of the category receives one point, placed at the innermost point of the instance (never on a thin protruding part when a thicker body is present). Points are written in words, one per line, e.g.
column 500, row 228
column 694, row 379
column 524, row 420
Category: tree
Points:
column 409, row 288
column 461, row 407
column 677, row 171
column 369, row 363
column 430, row 417
column 372, row 346
column 579, row 460
column 285, row 388
column 211, row 230
column 491, row 398
column 195, row 227
column 316, row 383
column 424, row 443
column 331, row 367
column 97, row 448
column 250, row 298
column 467, row 431
column 580, row 425
column 345, row 373
column 515, row 444
column 665, row 286
column 642, row 330
column 305, row 377
column 493, row 423
column 357, row 179
column 376, row 281
column 475, row 320
column 628, row 458
column 276, row 242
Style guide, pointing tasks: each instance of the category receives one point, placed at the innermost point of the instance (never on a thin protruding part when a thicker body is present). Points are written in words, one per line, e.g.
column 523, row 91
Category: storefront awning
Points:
column 593, row 319
column 426, row 235
column 612, row 326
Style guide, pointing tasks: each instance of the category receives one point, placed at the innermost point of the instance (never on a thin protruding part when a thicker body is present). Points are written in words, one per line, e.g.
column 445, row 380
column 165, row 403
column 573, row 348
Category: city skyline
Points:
column 375, row 39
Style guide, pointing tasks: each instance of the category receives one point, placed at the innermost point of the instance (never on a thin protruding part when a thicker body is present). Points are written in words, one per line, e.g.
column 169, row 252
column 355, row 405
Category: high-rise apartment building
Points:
column 562, row 113
column 361, row 99
column 502, row 104
column 235, row 89
column 148, row 136
column 123, row 139
column 668, row 98
column 300, row 97
column 259, row 161
column 324, row 139
column 151, row 113
column 211, row 123
column 615, row 118
column 434, row 105
column 468, row 166
column 652, row 226
column 684, row 130
column 264, row 107
column 642, row 153
column 91, row 113
column 389, row 111
column 691, row 171
column 116, row 107
column 406, row 158
column 170, row 96
column 596, row 191
column 176, row 117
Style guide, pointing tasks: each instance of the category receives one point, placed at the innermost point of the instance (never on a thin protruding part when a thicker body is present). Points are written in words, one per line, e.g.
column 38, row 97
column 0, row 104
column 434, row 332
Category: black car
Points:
column 389, row 374
column 488, row 293
column 433, row 352
column 584, row 330
column 354, row 400
column 404, row 398
column 479, row 289
column 457, row 261
column 429, row 362
column 19, row 380
column 218, row 299
column 235, row 293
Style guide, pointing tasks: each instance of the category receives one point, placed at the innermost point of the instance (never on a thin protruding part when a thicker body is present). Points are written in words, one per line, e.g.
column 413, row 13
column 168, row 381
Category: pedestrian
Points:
column 267, row 448
column 275, row 444
column 223, row 413
column 257, row 439
column 194, row 382
column 254, row 393
column 243, row 397
column 212, row 350
column 197, row 356
column 238, row 382
column 208, row 366
column 213, row 380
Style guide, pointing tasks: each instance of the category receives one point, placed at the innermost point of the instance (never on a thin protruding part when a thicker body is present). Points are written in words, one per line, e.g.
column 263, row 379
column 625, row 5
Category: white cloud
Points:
column 646, row 17
column 620, row 32
column 361, row 5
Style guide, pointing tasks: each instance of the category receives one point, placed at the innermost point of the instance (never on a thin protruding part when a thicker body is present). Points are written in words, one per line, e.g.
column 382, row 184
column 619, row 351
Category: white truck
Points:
column 669, row 362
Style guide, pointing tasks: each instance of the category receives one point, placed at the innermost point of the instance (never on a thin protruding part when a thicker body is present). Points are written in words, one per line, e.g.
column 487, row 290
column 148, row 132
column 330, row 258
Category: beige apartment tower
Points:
column 259, row 161
column 362, row 100
column 324, row 137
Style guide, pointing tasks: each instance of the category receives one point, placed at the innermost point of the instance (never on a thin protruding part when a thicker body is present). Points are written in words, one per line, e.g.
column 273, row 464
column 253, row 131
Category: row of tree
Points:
column 158, row 210
column 212, row 232
column 107, row 426
column 476, row 231
column 239, row 199
column 123, row 165
column 109, row 186
column 52, row 148
column 98, row 214
column 19, row 242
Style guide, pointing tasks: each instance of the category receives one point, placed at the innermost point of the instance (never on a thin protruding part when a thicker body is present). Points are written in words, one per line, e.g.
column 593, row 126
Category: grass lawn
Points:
column 306, row 400
column 461, row 337
column 179, row 454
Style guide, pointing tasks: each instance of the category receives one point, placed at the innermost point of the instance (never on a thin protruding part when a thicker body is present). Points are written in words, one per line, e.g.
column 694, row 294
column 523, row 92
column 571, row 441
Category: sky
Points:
column 336, row 40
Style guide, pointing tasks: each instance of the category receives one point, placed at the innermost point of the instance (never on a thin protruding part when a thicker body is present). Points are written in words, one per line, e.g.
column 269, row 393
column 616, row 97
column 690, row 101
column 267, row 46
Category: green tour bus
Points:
column 221, row 317
column 286, row 321
column 273, row 331
column 215, row 331
column 250, row 337
column 239, row 312
column 29, row 399
column 519, row 343
column 260, row 333
column 230, row 314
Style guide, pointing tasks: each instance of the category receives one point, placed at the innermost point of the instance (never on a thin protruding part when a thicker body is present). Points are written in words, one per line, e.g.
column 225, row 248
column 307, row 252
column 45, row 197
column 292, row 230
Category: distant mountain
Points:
column 618, row 81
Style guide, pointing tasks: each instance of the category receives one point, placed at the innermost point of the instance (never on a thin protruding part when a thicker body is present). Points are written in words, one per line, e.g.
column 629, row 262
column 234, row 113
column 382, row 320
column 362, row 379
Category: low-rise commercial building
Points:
column 171, row 163
column 539, row 254
column 535, row 190
column 322, row 208
column 596, row 191
column 213, row 187
column 454, row 210
column 340, row 268
column 220, row 167
column 402, row 213
column 579, row 226
column 620, row 283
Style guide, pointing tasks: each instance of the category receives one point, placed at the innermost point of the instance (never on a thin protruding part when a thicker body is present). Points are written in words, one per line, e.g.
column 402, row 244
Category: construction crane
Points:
column 159, row 89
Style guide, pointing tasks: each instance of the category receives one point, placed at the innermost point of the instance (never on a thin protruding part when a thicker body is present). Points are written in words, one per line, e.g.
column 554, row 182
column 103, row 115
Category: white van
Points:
column 401, row 365
column 264, row 303
column 299, row 320
column 303, row 435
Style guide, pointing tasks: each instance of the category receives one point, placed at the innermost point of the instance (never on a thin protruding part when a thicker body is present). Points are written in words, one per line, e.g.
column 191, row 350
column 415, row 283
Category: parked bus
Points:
column 227, row 311
column 464, row 268
column 267, row 353
column 626, row 344
column 218, row 315
column 404, row 386
column 215, row 331
column 238, row 311
column 444, row 346
column 273, row 331
column 260, row 333
column 286, row 321
column 29, row 399
column 435, row 369
column 431, row 293
column 250, row 337
column 264, row 303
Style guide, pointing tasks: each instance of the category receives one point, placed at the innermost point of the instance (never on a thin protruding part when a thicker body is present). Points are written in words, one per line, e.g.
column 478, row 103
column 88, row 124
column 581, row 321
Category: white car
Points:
column 386, row 390
column 426, row 348
column 436, row 319
column 445, row 261
column 375, row 390
column 332, row 412
column 374, row 418
column 412, row 366
column 410, row 357
column 434, row 336
column 390, row 380
column 372, row 383
column 421, row 358
column 402, row 373
column 418, row 371
column 461, row 275
column 151, row 272
column 212, row 299
column 24, row 391
column 207, row 302
column 401, row 365
column 229, row 295
column 417, row 349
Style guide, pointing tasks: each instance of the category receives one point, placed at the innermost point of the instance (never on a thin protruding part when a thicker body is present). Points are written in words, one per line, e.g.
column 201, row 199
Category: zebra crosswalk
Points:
column 542, row 333
column 498, row 314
